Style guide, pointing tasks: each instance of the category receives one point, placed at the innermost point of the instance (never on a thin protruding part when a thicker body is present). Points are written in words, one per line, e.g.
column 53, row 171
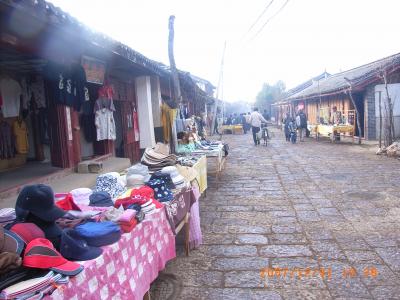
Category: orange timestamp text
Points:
column 324, row 273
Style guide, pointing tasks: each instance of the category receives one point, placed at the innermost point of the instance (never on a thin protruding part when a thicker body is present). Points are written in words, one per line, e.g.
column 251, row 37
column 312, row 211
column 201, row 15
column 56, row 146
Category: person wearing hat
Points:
column 35, row 204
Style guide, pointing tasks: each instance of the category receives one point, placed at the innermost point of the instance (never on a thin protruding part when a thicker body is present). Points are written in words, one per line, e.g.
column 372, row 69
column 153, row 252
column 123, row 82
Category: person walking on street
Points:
column 244, row 122
column 301, row 122
column 255, row 121
column 286, row 122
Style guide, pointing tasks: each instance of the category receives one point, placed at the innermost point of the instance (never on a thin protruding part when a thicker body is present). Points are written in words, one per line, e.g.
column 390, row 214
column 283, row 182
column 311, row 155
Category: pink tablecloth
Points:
column 126, row 269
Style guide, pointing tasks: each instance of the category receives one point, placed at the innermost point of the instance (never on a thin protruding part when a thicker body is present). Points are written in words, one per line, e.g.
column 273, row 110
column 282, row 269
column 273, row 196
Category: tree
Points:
column 269, row 94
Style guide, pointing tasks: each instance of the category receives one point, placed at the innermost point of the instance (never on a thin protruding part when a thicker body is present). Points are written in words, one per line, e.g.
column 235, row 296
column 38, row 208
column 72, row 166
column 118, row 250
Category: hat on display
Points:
column 109, row 183
column 38, row 199
column 74, row 247
column 10, row 242
column 99, row 233
column 158, row 158
column 134, row 180
column 40, row 253
column 177, row 178
column 101, row 199
column 51, row 229
column 161, row 192
column 164, row 176
column 7, row 215
column 139, row 169
column 27, row 231
column 81, row 195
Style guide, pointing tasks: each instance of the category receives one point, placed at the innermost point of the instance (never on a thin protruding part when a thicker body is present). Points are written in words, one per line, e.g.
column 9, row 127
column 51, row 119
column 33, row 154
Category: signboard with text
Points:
column 95, row 69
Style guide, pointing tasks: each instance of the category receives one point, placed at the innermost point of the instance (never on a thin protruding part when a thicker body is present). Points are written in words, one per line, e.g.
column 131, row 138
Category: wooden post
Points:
column 356, row 109
column 174, row 73
column 380, row 120
column 392, row 135
column 177, row 97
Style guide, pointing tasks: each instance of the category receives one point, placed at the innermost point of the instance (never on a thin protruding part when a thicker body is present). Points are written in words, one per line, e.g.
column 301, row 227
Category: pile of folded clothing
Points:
column 188, row 161
column 157, row 158
column 127, row 221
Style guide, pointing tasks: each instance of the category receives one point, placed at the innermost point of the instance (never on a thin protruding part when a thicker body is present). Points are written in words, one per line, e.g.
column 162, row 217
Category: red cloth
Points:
column 144, row 191
column 106, row 91
column 128, row 226
column 66, row 202
column 137, row 196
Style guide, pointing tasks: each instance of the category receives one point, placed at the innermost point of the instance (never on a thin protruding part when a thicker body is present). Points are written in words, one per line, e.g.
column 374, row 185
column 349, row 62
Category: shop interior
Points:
column 24, row 136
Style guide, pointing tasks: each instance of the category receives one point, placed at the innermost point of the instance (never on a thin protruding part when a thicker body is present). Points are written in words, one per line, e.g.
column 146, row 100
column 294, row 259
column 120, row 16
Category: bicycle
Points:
column 264, row 133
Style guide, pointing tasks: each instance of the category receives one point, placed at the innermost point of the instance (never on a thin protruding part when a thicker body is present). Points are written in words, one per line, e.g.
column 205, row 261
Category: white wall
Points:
column 145, row 112
column 394, row 93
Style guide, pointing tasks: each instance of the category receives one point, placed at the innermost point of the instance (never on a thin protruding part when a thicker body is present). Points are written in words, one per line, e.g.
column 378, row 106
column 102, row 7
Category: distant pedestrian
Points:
column 255, row 121
column 301, row 123
column 244, row 122
column 286, row 122
column 292, row 131
column 265, row 115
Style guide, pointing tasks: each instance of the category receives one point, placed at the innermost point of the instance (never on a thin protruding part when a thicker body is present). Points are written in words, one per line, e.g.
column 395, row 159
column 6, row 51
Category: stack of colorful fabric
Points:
column 127, row 220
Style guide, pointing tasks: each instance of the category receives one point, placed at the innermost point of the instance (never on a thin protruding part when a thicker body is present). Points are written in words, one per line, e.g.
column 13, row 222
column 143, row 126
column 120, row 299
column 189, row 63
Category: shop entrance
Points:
column 24, row 119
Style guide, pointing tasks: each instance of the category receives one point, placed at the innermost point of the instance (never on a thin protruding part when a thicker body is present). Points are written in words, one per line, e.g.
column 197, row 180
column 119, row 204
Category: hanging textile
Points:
column 11, row 92
column 136, row 125
column 21, row 137
column 165, row 116
column 105, row 125
column 7, row 146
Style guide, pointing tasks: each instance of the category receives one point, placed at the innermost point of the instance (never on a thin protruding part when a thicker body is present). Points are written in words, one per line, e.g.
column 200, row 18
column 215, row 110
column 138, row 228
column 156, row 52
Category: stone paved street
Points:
column 316, row 209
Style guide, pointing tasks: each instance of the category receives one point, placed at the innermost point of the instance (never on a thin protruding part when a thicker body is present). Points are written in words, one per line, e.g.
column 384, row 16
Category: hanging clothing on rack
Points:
column 7, row 144
column 21, row 137
column 105, row 125
column 11, row 93
column 136, row 125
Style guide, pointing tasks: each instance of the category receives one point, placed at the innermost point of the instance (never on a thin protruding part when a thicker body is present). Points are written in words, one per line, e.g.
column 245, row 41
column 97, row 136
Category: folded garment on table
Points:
column 127, row 220
column 114, row 214
column 32, row 288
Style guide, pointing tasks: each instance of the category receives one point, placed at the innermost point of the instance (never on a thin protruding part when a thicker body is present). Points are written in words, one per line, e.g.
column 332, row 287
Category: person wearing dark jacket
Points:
column 286, row 123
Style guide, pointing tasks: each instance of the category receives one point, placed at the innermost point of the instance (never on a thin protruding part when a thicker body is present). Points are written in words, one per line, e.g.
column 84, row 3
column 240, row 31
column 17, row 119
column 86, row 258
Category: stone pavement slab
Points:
column 313, row 220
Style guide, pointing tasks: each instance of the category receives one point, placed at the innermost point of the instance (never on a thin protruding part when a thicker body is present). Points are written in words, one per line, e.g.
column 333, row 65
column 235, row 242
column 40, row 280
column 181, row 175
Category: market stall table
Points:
column 235, row 129
column 333, row 130
column 126, row 269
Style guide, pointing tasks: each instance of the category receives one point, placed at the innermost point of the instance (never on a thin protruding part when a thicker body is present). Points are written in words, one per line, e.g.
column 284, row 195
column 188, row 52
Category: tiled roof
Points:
column 55, row 16
column 359, row 77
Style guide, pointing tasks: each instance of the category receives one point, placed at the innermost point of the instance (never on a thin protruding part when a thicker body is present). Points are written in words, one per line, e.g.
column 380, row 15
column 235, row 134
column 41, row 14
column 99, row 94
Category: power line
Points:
column 259, row 17
column 273, row 16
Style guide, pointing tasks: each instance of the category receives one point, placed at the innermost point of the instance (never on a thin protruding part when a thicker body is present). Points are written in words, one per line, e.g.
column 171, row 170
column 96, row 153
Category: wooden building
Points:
column 321, row 95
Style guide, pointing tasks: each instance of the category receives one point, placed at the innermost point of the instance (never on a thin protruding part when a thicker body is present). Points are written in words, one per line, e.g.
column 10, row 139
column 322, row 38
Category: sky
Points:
column 298, row 42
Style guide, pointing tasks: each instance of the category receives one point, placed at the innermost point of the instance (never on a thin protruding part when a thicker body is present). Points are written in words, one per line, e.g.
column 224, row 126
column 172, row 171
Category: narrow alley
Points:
column 313, row 220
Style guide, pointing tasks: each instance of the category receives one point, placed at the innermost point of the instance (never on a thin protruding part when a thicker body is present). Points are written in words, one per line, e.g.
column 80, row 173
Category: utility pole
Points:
column 175, row 79
column 219, row 91
column 174, row 73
